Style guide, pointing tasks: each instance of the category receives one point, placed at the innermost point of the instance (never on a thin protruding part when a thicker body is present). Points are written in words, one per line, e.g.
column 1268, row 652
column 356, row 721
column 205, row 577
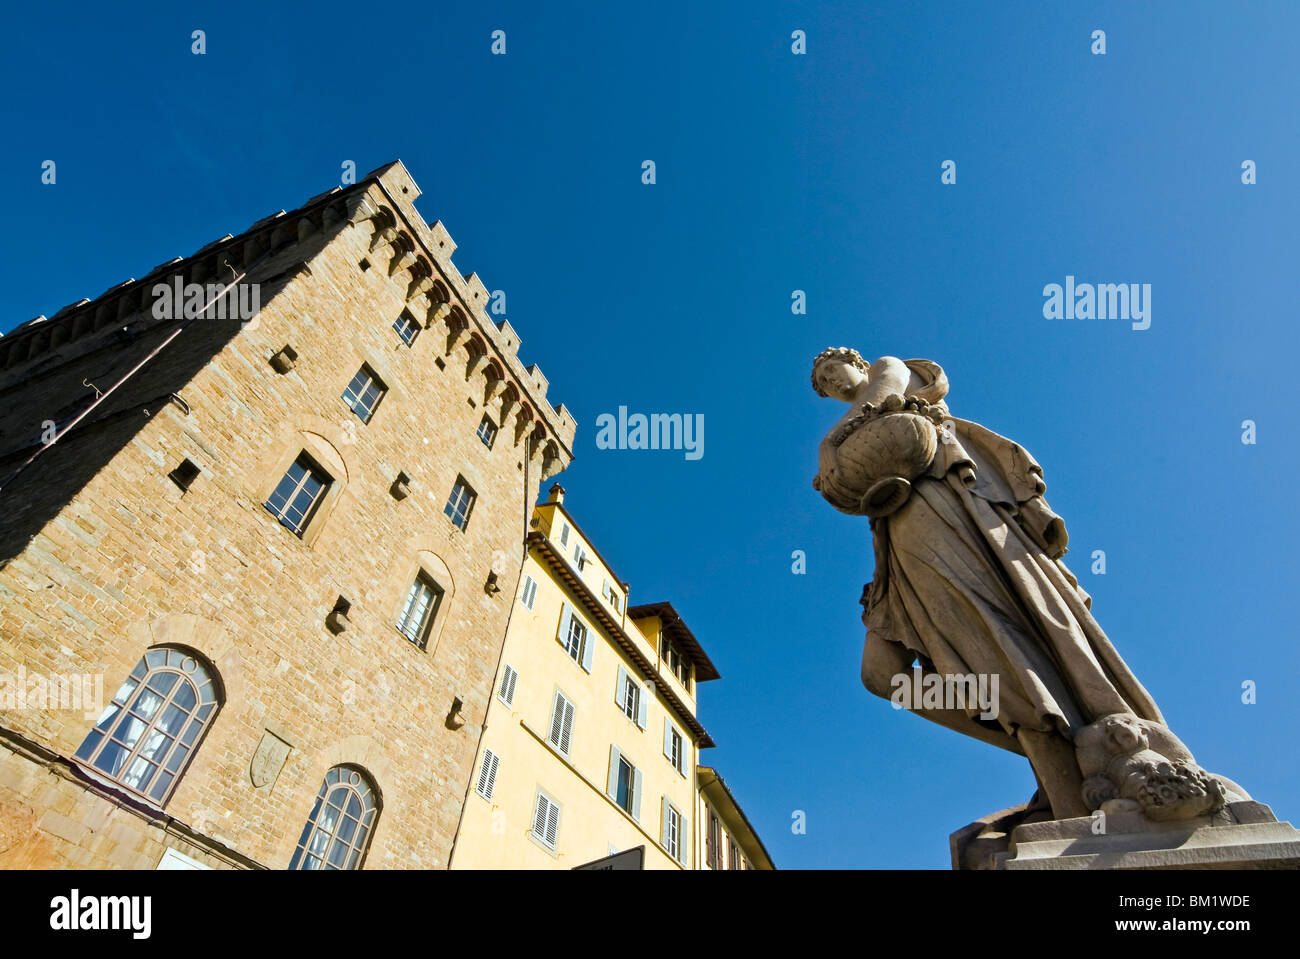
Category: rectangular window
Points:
column 623, row 794
column 419, row 609
column 673, row 832
column 673, row 746
column 623, row 784
column 733, row 854
column 460, row 503
column 564, row 534
column 561, row 723
column 677, row 664
column 614, row 596
column 487, row 432
column 530, row 592
column 507, row 691
column 631, row 698
column 407, row 328
column 298, row 494
column 364, row 393
column 675, row 838
column 713, row 848
column 576, row 639
column 546, row 820
column 580, row 556
column 487, row 774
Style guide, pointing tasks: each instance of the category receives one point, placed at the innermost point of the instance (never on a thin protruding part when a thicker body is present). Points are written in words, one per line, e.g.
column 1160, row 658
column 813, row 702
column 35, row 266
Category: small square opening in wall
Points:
column 364, row 264
column 437, row 361
column 184, row 475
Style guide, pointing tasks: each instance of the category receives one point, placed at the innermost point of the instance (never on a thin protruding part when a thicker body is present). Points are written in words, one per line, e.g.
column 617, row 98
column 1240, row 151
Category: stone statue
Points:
column 969, row 582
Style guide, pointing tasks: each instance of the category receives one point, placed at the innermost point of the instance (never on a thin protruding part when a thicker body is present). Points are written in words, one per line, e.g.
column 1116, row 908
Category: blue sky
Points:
column 778, row 172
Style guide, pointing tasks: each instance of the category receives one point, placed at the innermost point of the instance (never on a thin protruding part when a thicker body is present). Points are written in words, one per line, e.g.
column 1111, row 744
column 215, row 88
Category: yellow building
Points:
column 590, row 745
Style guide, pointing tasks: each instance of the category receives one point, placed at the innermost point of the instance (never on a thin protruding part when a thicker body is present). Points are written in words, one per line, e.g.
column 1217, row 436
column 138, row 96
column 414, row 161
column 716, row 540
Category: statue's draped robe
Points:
column 969, row 578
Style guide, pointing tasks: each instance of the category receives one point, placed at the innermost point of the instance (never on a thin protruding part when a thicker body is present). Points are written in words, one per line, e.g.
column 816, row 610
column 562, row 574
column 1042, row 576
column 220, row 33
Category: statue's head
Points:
column 838, row 372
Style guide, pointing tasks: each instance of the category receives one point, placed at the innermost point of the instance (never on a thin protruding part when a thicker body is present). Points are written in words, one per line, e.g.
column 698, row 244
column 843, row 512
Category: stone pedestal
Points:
column 1242, row 835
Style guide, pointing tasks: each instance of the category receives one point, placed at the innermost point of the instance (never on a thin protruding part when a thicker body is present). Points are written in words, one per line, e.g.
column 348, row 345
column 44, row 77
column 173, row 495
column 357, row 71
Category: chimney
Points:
column 557, row 494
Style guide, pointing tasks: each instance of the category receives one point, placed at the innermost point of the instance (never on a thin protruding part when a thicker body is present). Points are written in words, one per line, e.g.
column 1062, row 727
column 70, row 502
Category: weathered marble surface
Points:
column 970, row 581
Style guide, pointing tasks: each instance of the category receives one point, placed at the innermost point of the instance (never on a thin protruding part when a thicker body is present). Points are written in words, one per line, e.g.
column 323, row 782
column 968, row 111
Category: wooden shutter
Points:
column 539, row 816
column 561, row 723
column 611, row 786
column 620, row 690
column 588, row 644
column 487, row 774
column 636, row 794
column 668, row 738
column 507, row 691
column 684, row 844
column 566, row 617
column 642, row 706
column 567, row 731
column 552, row 824
column 665, row 834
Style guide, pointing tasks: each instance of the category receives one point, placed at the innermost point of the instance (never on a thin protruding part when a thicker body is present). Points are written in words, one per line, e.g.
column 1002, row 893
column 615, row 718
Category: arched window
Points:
column 146, row 736
column 339, row 827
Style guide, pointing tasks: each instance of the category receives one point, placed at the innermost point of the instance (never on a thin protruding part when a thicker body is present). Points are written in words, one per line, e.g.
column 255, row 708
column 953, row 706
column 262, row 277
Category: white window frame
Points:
column 487, row 774
column 671, row 733
column 641, row 705
column 677, row 850
column 561, row 738
column 506, row 691
column 543, row 795
column 636, row 786
column 586, row 642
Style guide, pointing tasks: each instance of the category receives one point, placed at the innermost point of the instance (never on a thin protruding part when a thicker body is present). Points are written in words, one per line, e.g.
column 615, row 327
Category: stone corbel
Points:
column 437, row 314
column 455, row 338
column 403, row 261
column 386, row 235
column 360, row 208
column 421, row 284
column 476, row 363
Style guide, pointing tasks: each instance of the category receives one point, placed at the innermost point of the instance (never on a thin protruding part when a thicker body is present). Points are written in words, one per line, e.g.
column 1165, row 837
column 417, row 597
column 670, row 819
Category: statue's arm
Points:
column 882, row 660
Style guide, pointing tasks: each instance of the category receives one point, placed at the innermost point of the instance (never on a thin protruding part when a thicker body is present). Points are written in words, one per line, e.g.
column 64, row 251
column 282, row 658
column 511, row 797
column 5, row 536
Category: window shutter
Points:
column 664, row 835
column 566, row 617
column 620, row 690
column 507, row 691
column 487, row 774
column 588, row 644
column 564, row 533
column 636, row 794
column 567, row 730
column 552, row 824
column 539, row 817
column 668, row 738
column 642, row 707
column 557, row 722
column 684, row 845
column 611, row 787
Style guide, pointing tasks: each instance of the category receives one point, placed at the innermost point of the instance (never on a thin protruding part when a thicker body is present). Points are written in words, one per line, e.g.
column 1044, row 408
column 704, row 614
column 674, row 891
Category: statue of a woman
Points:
column 969, row 582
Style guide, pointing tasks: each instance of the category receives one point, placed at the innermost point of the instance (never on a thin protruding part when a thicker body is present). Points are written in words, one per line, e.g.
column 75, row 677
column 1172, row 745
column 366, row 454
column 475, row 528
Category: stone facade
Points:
column 104, row 556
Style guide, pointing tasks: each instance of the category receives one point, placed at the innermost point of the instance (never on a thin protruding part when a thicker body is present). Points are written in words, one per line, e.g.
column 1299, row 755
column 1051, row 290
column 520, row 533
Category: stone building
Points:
column 253, row 596
column 593, row 745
